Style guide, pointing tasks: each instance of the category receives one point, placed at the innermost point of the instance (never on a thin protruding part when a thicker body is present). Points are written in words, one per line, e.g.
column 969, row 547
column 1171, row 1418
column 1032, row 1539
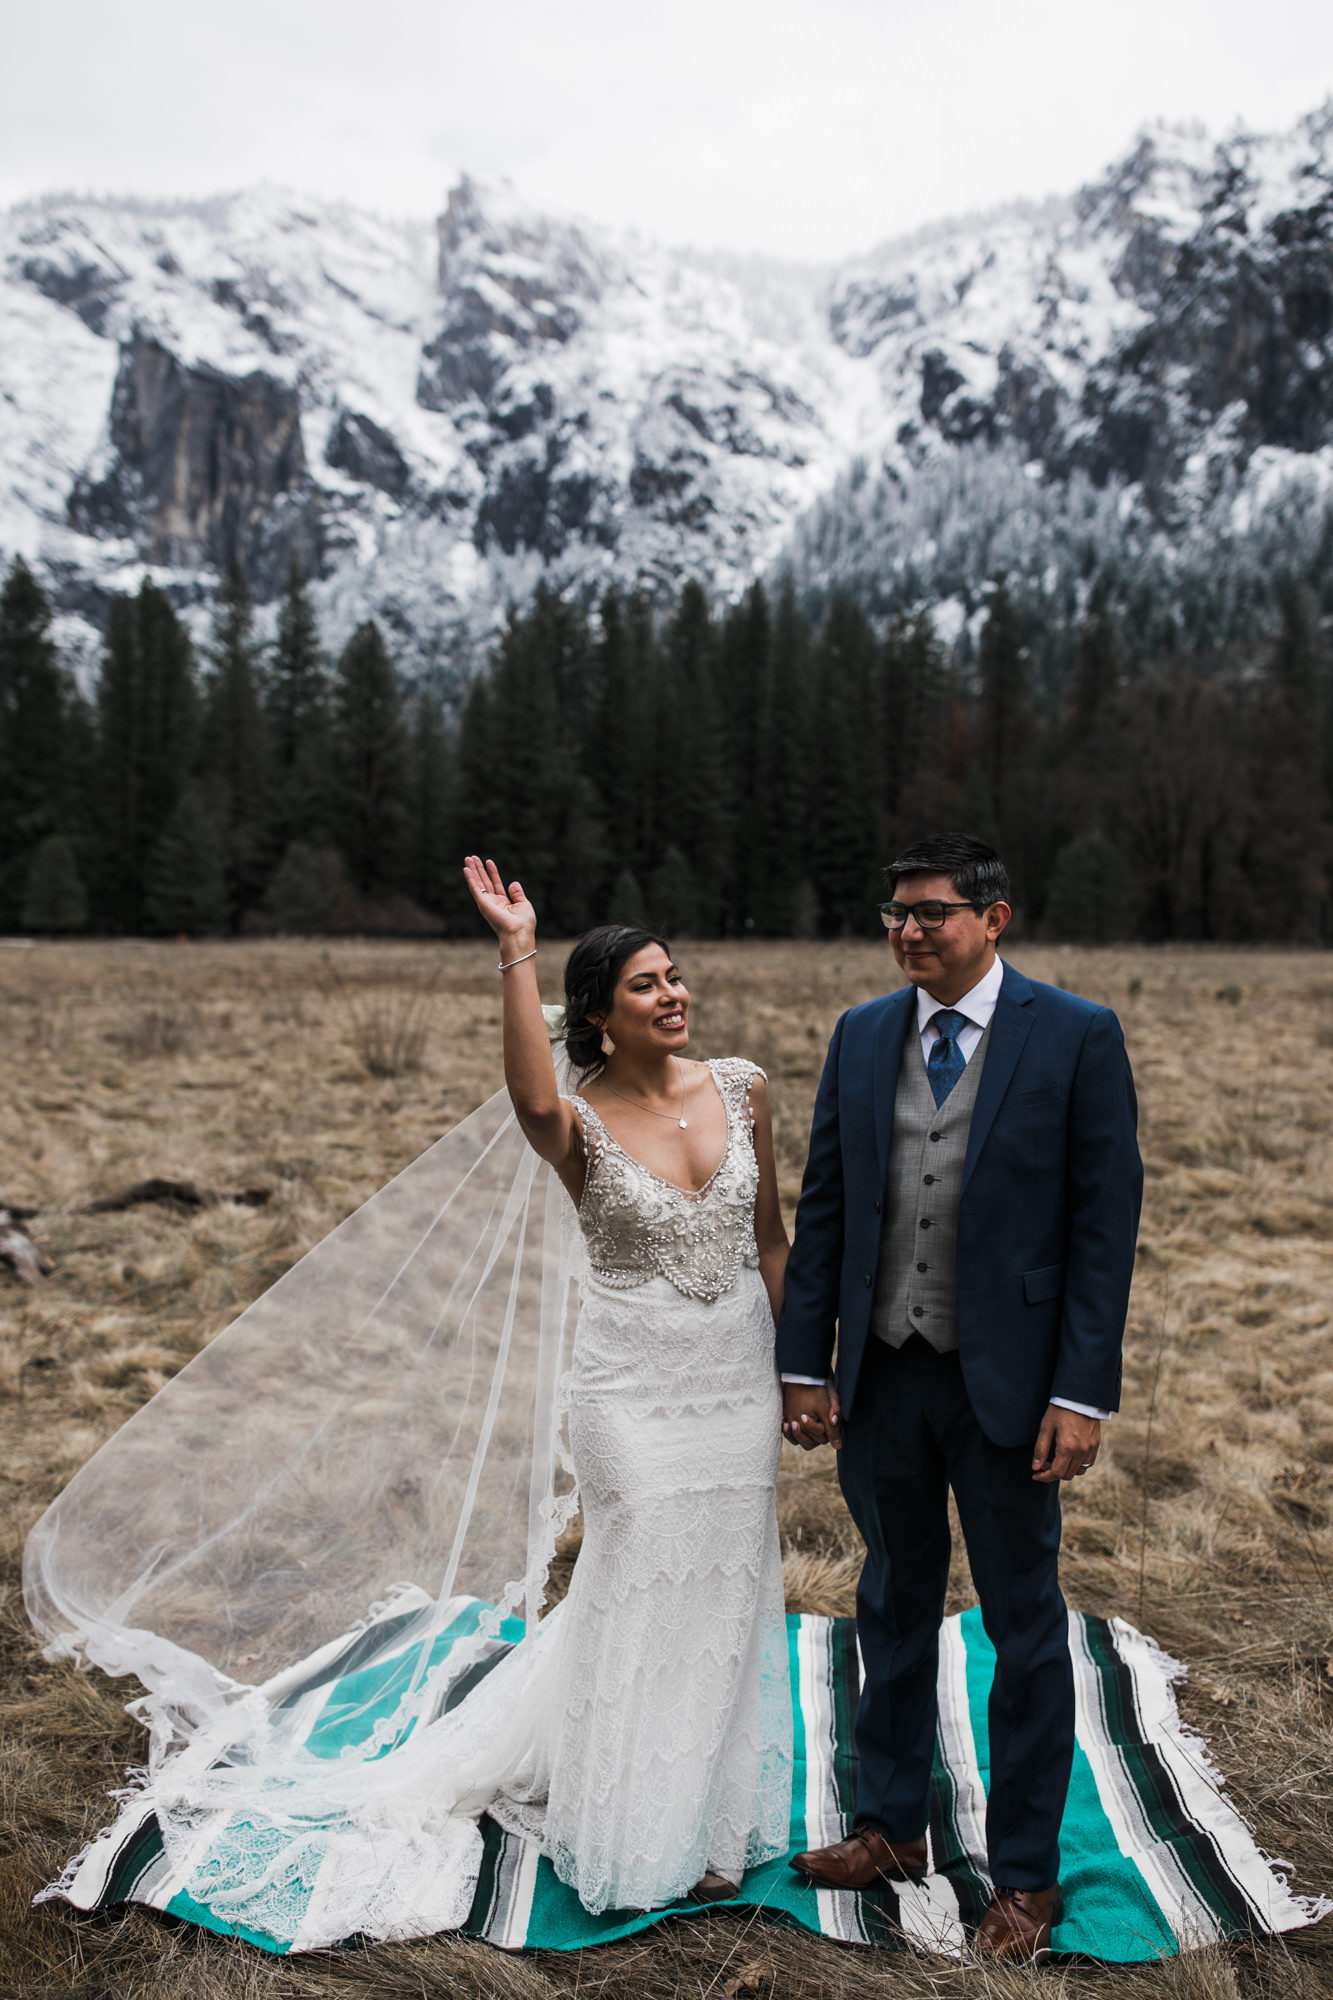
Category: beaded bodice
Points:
column 639, row 1226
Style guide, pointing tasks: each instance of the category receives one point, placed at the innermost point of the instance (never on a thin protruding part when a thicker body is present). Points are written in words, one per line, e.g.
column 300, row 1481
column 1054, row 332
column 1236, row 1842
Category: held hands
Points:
column 1067, row 1445
column 811, row 1415
column 507, row 911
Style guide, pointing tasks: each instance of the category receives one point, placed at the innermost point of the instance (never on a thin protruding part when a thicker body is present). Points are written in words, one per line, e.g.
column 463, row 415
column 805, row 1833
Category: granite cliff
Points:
column 433, row 420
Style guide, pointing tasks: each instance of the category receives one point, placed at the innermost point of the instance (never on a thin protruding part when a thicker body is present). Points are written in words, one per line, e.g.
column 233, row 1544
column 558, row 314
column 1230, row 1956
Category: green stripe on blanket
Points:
column 1154, row 1860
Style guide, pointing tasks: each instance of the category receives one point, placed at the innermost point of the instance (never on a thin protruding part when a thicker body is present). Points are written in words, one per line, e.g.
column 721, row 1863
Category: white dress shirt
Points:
column 977, row 1006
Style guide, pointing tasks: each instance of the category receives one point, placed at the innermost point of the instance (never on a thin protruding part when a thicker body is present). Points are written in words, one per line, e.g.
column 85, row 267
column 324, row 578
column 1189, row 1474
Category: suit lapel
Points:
column 1010, row 1028
column 890, row 1034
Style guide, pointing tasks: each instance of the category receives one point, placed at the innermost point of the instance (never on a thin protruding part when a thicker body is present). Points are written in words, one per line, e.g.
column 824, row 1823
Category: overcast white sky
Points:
column 784, row 126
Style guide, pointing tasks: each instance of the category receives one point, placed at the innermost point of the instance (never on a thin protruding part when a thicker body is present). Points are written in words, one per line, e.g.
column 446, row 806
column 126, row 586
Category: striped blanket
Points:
column 1154, row 1860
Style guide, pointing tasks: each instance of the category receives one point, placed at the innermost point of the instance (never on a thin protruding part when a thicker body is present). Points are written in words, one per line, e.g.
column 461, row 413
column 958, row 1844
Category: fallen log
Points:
column 187, row 1194
column 18, row 1250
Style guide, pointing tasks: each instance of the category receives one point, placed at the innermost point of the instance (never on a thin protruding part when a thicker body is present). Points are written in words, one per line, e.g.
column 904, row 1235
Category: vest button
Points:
column 925, row 1222
column 917, row 1311
column 869, row 1279
column 937, row 1135
column 877, row 1208
column 923, row 1267
column 930, row 1180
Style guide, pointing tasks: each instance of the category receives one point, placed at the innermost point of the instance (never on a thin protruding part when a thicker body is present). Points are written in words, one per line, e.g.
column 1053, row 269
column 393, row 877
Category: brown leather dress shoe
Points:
column 864, row 1858
column 1019, row 1922
column 713, row 1888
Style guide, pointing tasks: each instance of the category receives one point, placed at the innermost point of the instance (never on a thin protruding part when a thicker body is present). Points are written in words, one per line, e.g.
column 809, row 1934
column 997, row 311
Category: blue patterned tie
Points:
column 945, row 1064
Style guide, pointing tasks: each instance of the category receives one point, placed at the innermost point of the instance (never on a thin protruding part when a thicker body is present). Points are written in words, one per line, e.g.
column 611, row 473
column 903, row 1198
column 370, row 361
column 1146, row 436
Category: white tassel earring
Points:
column 608, row 1046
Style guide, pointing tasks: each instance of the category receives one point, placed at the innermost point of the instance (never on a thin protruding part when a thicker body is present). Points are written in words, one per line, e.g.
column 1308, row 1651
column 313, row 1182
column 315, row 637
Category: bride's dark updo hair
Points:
column 591, row 972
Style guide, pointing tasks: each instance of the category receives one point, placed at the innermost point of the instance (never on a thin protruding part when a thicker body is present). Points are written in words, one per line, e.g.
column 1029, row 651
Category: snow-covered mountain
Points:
column 433, row 420
column 1138, row 381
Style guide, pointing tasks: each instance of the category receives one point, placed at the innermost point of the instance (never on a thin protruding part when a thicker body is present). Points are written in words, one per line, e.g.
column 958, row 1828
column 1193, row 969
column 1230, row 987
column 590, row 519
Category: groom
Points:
column 966, row 1230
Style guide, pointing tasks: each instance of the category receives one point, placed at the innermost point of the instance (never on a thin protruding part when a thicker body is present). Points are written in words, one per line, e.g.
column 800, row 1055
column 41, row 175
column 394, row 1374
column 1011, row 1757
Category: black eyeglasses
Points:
column 929, row 916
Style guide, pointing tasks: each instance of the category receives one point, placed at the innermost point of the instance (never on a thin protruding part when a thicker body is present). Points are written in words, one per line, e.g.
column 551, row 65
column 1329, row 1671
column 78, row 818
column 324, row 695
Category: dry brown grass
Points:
column 242, row 1064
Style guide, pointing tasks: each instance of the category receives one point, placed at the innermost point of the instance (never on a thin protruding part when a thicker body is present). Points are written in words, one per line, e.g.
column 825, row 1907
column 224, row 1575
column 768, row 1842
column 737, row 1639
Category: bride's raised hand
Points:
column 547, row 1119
column 507, row 911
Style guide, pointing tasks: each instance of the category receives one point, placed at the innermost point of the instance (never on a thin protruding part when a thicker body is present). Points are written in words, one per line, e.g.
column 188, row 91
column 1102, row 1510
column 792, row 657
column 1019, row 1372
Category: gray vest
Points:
column 915, row 1287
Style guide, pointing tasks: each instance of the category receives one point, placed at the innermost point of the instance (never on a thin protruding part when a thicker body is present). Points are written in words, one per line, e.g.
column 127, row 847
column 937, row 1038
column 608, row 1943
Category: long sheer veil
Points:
column 377, row 1442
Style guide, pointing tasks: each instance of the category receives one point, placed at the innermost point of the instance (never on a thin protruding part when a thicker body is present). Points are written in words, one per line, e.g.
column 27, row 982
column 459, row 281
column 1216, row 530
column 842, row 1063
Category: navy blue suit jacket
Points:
column 1047, row 1223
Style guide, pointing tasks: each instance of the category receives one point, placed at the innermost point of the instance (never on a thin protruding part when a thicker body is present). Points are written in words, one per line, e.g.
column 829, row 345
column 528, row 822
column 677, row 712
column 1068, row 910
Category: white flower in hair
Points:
column 554, row 1018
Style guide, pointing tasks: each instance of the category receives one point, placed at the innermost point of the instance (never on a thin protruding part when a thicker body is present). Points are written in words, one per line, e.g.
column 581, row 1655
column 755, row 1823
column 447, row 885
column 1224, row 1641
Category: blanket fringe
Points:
column 1194, row 1746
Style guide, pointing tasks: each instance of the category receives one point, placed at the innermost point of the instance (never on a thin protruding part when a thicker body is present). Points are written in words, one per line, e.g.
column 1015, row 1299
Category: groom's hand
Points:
column 1067, row 1445
column 811, row 1415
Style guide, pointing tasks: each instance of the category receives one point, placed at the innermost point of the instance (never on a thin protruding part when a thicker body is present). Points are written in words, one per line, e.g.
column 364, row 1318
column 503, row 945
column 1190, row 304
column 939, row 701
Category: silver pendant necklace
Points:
column 682, row 1120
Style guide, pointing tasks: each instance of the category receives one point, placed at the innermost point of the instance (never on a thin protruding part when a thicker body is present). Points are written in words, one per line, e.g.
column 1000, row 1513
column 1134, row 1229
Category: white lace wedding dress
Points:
column 643, row 1734
column 662, row 1724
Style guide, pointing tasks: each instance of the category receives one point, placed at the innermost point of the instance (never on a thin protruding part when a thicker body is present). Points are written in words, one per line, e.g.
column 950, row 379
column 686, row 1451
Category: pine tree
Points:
column 627, row 904
column 1087, row 900
column 146, row 735
column 233, row 751
column 1096, row 670
column 641, row 834
column 583, row 857
column 1010, row 798
column 780, row 861
column 558, row 631
column 1284, row 839
column 55, row 899
column 82, row 816
column 672, row 902
column 612, row 759
column 120, row 699
column 531, row 774
column 689, row 786
column 478, row 788
column 915, row 699
column 184, row 889
column 546, row 814
column 432, row 863
column 304, row 889
column 563, row 645
column 370, row 763
column 920, row 787
column 846, row 820
column 1176, row 804
column 745, row 707
column 1004, row 720
column 36, row 774
column 1295, row 665
column 297, row 710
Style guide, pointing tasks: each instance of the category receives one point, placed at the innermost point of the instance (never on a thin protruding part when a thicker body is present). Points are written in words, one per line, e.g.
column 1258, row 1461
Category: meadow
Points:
column 314, row 1074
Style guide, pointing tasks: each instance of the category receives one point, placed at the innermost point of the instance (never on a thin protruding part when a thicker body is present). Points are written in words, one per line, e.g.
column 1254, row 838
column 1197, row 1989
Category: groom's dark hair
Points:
column 978, row 875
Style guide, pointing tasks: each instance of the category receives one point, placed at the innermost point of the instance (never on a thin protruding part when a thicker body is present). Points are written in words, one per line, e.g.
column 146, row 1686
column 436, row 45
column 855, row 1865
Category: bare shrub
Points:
column 285, row 1003
column 387, row 1025
column 162, row 1028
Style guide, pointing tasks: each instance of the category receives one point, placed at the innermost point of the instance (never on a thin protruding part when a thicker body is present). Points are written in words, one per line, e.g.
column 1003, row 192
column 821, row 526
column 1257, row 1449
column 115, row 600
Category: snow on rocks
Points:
column 433, row 420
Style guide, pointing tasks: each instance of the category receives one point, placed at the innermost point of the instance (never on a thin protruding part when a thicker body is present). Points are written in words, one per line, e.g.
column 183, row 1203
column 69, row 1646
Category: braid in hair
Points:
column 591, row 972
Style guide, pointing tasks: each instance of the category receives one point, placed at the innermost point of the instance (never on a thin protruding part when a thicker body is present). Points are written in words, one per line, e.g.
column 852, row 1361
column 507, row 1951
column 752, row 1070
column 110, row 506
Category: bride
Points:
column 664, row 1758
column 568, row 1302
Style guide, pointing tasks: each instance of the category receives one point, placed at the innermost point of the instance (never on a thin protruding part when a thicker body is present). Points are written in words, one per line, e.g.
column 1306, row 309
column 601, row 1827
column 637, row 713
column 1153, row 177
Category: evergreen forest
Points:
column 719, row 773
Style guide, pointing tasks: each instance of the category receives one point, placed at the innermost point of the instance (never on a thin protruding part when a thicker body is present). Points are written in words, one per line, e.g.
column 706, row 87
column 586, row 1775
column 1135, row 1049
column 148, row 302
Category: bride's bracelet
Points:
column 505, row 964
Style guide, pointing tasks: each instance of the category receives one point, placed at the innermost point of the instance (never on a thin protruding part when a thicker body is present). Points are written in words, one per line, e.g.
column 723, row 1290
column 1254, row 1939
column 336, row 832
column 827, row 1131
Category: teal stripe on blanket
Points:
column 1110, row 1912
column 1153, row 1859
